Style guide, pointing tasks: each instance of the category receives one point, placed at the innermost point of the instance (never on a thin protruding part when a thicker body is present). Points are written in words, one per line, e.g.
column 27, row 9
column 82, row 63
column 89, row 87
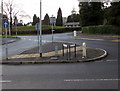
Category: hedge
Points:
column 107, row 29
column 47, row 31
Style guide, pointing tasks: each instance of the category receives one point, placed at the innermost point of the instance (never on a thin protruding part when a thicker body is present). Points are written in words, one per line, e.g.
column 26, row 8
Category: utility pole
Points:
column 40, row 48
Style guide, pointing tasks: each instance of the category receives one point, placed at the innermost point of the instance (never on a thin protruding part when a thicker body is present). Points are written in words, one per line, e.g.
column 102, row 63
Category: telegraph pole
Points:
column 40, row 48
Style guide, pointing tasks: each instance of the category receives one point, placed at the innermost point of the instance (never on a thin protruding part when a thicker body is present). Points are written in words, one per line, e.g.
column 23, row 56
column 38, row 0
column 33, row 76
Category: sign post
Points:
column 16, row 22
column 37, row 28
column 6, row 26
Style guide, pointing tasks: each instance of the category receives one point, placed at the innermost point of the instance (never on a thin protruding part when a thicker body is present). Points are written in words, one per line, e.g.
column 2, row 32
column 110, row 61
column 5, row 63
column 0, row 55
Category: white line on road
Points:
column 111, row 60
column 78, row 80
column 5, row 81
column 114, row 60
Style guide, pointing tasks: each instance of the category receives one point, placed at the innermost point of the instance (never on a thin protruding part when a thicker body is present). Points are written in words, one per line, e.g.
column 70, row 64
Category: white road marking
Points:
column 5, row 81
column 107, row 60
column 111, row 60
column 78, row 80
column 30, row 39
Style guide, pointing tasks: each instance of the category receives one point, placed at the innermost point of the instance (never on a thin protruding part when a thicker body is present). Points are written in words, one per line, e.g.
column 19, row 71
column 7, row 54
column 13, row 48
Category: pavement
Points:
column 53, row 53
column 113, row 38
column 8, row 40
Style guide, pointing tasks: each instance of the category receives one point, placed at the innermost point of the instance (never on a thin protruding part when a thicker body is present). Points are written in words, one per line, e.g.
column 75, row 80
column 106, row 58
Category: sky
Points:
column 31, row 7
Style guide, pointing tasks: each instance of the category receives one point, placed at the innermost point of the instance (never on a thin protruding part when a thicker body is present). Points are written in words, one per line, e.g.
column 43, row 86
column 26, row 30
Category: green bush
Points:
column 107, row 29
column 30, row 30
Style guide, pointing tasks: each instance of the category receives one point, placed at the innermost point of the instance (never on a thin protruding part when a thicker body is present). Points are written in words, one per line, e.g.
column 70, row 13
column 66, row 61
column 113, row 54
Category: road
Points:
column 102, row 74
column 27, row 42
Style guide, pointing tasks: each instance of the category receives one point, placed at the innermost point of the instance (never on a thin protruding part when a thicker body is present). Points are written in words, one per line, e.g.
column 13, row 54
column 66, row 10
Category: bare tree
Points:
column 10, row 9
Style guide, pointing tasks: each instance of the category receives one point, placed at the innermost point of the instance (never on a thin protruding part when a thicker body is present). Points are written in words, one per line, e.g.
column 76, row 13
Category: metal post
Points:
column 16, row 22
column 52, row 36
column 16, row 30
column 63, row 49
column 40, row 48
column 75, row 50
column 69, row 52
column 38, row 39
column 6, row 46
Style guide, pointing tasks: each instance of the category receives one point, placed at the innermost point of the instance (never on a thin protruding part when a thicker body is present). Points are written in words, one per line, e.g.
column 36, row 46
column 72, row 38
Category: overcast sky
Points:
column 51, row 7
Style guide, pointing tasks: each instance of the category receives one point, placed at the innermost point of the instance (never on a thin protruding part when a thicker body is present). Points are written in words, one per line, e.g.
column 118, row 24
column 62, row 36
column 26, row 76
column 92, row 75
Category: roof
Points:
column 71, row 23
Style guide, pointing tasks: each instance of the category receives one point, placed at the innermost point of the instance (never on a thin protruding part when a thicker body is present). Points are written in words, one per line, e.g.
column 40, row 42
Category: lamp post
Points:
column 40, row 48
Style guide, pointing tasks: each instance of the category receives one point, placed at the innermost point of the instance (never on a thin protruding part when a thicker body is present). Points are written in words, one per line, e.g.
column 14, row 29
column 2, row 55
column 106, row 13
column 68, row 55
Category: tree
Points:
column 10, row 9
column 15, row 20
column 74, row 17
column 46, row 20
column 84, row 16
column 112, row 14
column 59, row 20
column 91, row 13
column 35, row 19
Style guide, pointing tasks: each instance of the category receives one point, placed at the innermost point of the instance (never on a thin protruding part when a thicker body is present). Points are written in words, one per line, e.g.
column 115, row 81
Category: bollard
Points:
column 67, row 53
column 69, row 57
column 56, row 51
column 75, row 33
column 84, row 54
column 63, row 50
column 75, row 50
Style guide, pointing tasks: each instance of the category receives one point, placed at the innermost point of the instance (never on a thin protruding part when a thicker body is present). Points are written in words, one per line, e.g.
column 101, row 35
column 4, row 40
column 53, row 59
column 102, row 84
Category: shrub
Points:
column 107, row 29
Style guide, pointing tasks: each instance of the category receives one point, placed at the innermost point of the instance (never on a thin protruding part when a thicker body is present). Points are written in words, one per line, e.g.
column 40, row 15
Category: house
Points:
column 72, row 24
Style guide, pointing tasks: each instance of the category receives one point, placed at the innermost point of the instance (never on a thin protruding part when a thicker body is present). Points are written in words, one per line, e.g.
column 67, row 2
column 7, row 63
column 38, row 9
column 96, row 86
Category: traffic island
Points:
column 57, row 52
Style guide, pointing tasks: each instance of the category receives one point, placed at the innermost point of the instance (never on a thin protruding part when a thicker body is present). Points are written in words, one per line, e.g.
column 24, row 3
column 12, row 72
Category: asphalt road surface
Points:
column 101, row 74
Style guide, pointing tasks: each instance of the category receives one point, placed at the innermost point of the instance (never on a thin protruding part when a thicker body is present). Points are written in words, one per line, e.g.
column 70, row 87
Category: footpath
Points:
column 8, row 40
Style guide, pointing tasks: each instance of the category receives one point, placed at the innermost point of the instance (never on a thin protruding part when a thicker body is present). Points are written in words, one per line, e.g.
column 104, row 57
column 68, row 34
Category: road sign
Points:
column 5, row 25
column 65, row 45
